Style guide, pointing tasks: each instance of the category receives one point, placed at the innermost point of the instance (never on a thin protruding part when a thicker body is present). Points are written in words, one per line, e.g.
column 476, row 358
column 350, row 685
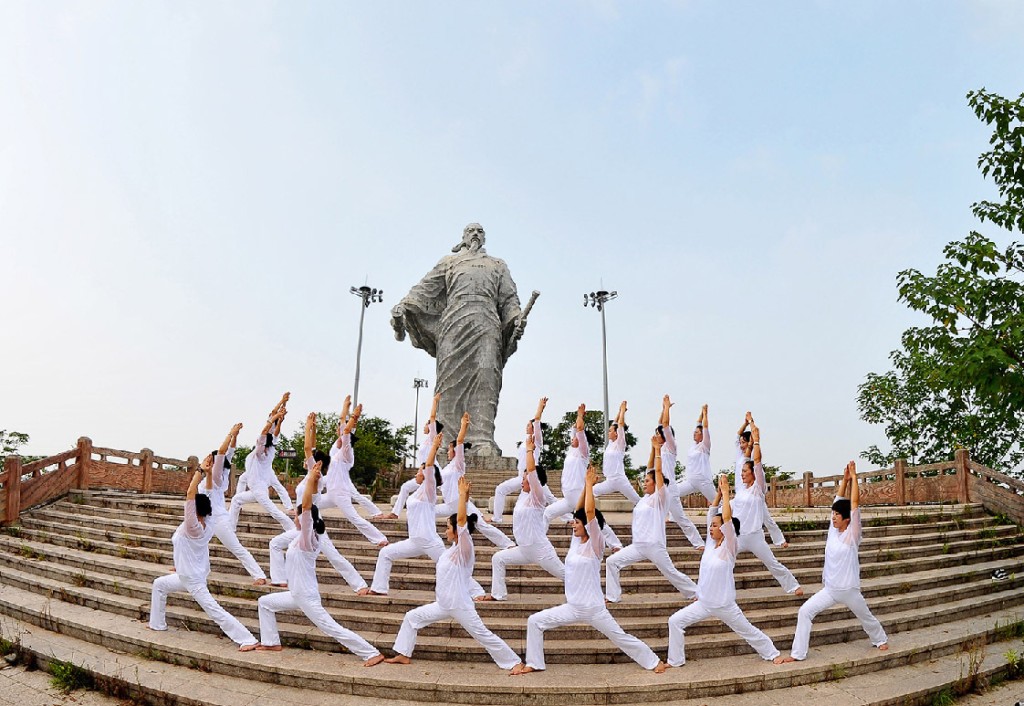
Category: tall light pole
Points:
column 599, row 299
column 368, row 295
column 417, row 383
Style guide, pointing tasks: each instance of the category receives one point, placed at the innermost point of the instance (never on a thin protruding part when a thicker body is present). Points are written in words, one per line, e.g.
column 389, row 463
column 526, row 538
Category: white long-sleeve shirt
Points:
column 342, row 459
column 749, row 505
column 259, row 465
column 614, row 462
column 191, row 541
column 583, row 569
column 574, row 470
column 528, row 524
column 716, row 585
column 698, row 459
column 538, row 442
column 842, row 563
column 455, row 573
column 649, row 517
column 419, row 509
column 219, row 476
column 450, row 475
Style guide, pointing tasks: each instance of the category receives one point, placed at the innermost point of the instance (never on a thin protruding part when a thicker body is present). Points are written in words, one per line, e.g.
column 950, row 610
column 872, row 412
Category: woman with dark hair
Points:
column 450, row 476
column 677, row 490
column 649, row 540
column 303, row 589
column 841, row 575
column 192, row 564
column 613, row 466
column 716, row 587
column 530, row 530
column 452, row 593
column 340, row 490
column 744, row 452
column 220, row 476
column 583, row 594
column 505, row 488
column 279, row 544
column 431, row 429
column 749, row 506
column 423, row 539
column 259, row 472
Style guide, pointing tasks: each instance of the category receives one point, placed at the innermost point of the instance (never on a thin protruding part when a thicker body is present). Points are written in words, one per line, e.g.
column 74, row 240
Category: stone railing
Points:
column 960, row 480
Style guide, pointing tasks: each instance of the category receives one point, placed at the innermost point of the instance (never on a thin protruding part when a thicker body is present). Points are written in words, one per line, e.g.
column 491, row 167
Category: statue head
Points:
column 473, row 238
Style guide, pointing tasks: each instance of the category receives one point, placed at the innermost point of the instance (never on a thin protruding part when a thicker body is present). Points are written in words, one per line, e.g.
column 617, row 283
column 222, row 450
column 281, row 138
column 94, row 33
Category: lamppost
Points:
column 417, row 383
column 599, row 299
column 368, row 295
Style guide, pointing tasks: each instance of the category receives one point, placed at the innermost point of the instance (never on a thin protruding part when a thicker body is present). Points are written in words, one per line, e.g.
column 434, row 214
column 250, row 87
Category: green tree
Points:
column 556, row 441
column 958, row 382
column 10, row 442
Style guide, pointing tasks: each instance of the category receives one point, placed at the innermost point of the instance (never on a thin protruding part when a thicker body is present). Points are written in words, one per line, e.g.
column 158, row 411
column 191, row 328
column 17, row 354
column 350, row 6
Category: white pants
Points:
column 279, row 545
column 696, row 484
column 223, row 531
column 343, row 501
column 198, row 590
column 755, row 544
column 271, row 604
column 403, row 494
column 542, row 554
column 826, row 598
column 492, row 533
column 282, row 493
column 565, row 506
column 419, row 618
column 506, row 488
column 407, row 549
column 731, row 615
column 619, row 484
column 678, row 515
column 597, row 617
column 655, row 553
column 261, row 497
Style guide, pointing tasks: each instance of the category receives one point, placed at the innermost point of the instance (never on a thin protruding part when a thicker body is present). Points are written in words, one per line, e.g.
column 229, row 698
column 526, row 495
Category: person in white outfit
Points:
column 841, row 576
column 750, row 508
column 452, row 593
column 259, row 473
column 278, row 413
column 340, row 490
column 530, row 531
column 342, row 463
column 430, row 430
column 279, row 544
column 649, row 532
column 507, row 487
column 716, row 587
column 303, row 590
column 192, row 564
column 220, row 476
column 669, row 454
column 450, row 476
column 744, row 447
column 613, row 466
column 697, row 477
column 423, row 539
column 583, row 594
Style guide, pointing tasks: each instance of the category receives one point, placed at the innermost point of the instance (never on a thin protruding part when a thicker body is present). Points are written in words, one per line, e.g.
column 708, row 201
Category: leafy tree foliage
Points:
column 10, row 442
column 959, row 382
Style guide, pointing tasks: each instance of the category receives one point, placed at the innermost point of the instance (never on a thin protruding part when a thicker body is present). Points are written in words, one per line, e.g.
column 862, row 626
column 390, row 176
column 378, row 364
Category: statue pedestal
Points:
column 491, row 463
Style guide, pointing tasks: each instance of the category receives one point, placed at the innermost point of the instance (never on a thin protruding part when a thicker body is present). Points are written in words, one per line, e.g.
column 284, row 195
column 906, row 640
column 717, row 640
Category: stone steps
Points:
column 917, row 667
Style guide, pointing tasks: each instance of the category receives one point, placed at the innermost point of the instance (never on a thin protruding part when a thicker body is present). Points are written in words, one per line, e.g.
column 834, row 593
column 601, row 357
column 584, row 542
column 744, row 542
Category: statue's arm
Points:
column 427, row 298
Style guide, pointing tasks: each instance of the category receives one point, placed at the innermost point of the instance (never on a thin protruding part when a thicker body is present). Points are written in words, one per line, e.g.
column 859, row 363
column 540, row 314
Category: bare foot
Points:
column 280, row 585
column 398, row 659
column 150, row 627
column 371, row 592
column 389, row 516
column 364, row 591
column 382, row 543
column 268, row 648
column 485, row 597
column 259, row 582
column 798, row 592
column 247, row 648
column 785, row 545
column 374, row 661
column 660, row 669
column 521, row 669
column 782, row 660
column 615, row 549
column 884, row 647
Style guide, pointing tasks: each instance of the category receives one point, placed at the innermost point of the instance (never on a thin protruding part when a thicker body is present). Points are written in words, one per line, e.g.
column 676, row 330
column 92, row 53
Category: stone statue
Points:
column 465, row 313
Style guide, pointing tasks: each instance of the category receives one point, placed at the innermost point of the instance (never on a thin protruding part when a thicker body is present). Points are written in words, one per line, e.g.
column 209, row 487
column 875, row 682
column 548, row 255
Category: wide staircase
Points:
column 75, row 580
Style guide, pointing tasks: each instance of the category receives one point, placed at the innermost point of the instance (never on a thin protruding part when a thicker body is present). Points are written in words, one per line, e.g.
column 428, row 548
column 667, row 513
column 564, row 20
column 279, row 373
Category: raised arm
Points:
column 666, row 405
column 463, row 429
column 723, row 490
column 621, row 418
column 851, row 476
column 746, row 422
column 310, row 439
column 350, row 425
column 755, row 440
column 433, row 408
column 312, row 483
column 429, row 481
column 659, row 479
column 536, row 491
column 227, row 443
column 275, row 429
column 540, row 408
column 345, row 407
column 280, row 405
column 193, row 486
column 464, row 488
column 587, row 499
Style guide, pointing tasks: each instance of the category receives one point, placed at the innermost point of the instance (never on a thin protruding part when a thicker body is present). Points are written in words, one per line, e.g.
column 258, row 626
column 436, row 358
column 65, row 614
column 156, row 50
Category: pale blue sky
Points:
column 188, row 190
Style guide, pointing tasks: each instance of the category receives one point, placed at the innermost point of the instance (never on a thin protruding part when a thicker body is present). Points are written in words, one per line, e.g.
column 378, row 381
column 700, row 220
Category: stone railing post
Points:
column 962, row 458
column 901, row 481
column 775, row 492
column 146, row 461
column 12, row 466
column 84, row 463
column 807, row 488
